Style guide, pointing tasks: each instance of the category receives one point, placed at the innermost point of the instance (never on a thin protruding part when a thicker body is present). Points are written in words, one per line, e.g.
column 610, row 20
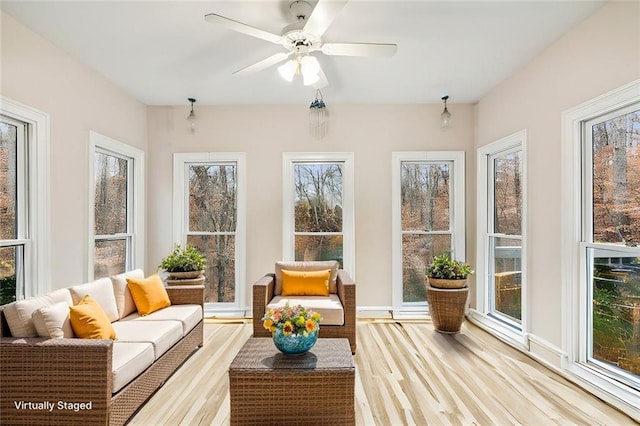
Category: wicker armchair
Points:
column 264, row 290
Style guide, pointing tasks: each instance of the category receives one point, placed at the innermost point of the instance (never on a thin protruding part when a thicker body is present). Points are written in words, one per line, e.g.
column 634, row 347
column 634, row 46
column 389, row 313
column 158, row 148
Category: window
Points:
column 13, row 214
column 501, row 263
column 318, row 208
column 209, row 211
column 24, row 231
column 611, row 236
column 601, row 243
column 428, row 219
column 116, row 212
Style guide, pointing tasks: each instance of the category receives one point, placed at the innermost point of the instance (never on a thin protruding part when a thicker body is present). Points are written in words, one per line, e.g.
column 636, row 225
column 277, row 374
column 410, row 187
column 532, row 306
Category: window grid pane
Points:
column 425, row 196
column 507, row 199
column 110, row 257
column 212, row 198
column 417, row 252
column 615, row 311
column 219, row 251
column 318, row 197
column 8, row 181
column 11, row 272
column 507, row 277
column 616, row 180
column 111, row 191
column 319, row 247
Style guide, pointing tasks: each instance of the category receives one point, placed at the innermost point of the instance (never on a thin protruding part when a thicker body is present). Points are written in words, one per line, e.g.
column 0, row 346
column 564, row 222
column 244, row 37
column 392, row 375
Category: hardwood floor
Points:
column 406, row 374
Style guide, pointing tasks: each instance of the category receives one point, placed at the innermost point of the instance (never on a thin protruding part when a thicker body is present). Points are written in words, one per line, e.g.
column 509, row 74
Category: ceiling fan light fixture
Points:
column 310, row 69
column 288, row 70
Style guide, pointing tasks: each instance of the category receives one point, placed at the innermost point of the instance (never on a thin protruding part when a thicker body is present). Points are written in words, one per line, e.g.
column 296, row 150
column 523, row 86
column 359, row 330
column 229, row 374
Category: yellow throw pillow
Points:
column 89, row 321
column 148, row 294
column 305, row 283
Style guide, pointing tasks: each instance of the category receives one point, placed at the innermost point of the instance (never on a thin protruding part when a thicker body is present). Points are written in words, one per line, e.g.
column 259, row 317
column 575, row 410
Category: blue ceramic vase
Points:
column 294, row 344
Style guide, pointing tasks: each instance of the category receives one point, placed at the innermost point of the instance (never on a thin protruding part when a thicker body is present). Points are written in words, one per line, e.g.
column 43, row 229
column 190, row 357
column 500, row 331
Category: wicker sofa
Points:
column 68, row 381
column 267, row 293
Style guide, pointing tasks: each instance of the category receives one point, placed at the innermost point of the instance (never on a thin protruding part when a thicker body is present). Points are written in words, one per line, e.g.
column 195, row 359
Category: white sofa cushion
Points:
column 188, row 315
column 332, row 265
column 53, row 321
column 102, row 292
column 161, row 334
column 124, row 300
column 19, row 314
column 128, row 361
column 329, row 307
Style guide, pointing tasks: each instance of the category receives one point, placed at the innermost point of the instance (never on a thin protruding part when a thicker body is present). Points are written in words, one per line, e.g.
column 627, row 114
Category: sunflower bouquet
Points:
column 292, row 320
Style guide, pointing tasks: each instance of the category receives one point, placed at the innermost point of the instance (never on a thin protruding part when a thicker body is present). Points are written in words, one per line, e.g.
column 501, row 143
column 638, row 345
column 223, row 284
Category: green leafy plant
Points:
column 445, row 268
column 183, row 260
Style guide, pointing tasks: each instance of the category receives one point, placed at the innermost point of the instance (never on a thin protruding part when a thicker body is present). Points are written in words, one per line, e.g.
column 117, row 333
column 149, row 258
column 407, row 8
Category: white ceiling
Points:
column 162, row 52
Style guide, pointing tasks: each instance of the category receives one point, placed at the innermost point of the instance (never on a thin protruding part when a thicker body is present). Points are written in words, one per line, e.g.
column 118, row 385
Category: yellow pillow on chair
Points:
column 305, row 283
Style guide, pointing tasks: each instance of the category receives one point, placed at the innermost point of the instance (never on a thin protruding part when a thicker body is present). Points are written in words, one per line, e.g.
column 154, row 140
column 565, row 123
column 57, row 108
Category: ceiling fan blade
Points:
column 322, row 16
column 263, row 64
column 359, row 49
column 214, row 18
column 322, row 82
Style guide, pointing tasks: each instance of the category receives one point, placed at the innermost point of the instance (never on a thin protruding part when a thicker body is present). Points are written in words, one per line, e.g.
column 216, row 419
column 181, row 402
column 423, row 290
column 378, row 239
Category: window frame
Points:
column 514, row 332
column 135, row 235
column 457, row 218
column 289, row 160
column 36, row 199
column 181, row 163
column 574, row 263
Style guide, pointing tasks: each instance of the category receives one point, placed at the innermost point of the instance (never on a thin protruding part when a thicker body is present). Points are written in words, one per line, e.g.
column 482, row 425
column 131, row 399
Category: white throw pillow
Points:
column 19, row 313
column 124, row 300
column 102, row 292
column 53, row 321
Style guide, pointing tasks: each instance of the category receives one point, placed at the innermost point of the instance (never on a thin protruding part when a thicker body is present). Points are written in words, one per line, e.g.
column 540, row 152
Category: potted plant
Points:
column 444, row 272
column 294, row 328
column 447, row 293
column 187, row 263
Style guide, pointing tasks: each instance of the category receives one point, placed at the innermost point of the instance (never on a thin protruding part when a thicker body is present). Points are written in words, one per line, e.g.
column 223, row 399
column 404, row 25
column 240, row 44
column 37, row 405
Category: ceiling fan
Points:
column 301, row 39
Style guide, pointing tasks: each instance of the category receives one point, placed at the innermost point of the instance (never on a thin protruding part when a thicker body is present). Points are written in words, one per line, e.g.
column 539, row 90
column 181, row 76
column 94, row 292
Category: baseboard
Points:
column 374, row 312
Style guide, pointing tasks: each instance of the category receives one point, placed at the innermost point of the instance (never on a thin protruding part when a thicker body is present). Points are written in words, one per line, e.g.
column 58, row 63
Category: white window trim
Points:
column 180, row 217
column 516, row 336
column 97, row 143
column 38, row 275
column 348, row 200
column 574, row 294
column 457, row 219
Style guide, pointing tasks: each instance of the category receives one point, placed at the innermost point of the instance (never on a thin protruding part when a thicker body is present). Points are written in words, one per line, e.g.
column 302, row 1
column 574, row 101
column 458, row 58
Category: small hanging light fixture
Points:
column 318, row 116
column 191, row 118
column 445, row 117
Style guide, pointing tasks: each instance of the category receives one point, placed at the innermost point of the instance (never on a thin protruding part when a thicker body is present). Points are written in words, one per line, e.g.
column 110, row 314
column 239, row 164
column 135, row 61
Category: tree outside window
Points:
column 615, row 208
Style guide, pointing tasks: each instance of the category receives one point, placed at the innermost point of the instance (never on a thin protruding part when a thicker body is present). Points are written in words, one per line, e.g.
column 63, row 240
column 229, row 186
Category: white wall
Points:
column 600, row 54
column 38, row 74
column 265, row 132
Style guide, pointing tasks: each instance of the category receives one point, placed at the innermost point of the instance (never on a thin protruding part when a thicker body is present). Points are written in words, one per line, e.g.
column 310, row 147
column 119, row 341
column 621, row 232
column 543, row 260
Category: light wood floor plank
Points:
column 406, row 374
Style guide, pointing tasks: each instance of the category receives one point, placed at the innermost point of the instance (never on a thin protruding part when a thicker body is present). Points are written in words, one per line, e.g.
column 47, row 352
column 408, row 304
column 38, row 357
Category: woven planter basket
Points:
column 447, row 307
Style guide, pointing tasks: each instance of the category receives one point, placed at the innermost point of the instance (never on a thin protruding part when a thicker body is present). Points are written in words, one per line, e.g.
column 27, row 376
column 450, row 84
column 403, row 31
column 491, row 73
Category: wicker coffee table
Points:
column 268, row 387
